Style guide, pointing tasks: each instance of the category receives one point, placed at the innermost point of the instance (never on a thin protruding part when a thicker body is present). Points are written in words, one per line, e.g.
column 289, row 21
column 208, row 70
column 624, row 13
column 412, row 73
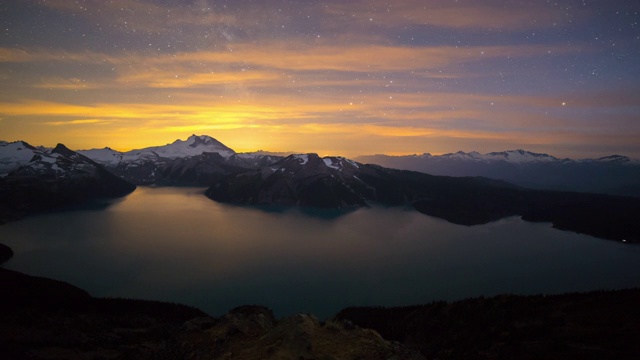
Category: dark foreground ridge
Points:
column 595, row 325
column 48, row 319
column 44, row 318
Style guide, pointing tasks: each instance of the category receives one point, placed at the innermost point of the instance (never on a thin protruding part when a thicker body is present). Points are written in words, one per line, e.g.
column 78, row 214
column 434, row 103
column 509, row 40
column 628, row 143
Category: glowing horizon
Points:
column 334, row 78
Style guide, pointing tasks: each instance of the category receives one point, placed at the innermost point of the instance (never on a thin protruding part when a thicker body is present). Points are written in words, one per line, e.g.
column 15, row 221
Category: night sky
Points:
column 333, row 77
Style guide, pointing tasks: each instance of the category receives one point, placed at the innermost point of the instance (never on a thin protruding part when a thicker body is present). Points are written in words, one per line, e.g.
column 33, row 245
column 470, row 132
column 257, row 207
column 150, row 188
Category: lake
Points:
column 174, row 244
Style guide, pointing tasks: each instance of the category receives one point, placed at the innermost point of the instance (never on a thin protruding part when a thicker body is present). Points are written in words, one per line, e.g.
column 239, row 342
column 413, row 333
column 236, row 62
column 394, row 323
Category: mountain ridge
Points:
column 310, row 181
column 55, row 179
column 612, row 175
column 307, row 180
column 514, row 155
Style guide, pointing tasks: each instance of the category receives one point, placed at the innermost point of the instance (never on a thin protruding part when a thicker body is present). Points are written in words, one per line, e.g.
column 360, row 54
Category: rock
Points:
column 251, row 332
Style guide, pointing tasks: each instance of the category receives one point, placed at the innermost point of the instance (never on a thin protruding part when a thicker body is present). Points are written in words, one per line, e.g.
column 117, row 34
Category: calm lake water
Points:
column 174, row 244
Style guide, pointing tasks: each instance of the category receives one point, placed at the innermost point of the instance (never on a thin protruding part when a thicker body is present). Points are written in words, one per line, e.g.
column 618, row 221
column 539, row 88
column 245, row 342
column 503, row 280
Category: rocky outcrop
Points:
column 252, row 332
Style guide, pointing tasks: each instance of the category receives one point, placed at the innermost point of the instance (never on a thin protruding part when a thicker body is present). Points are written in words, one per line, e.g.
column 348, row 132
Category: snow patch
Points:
column 104, row 156
column 15, row 154
column 302, row 158
column 329, row 163
column 512, row 156
column 48, row 159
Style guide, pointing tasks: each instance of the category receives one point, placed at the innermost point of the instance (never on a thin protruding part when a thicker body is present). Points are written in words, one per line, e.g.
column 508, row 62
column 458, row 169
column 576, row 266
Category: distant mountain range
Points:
column 37, row 178
column 614, row 175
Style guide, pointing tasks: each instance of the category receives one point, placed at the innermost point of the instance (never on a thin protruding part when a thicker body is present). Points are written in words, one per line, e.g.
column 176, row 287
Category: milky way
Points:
column 333, row 77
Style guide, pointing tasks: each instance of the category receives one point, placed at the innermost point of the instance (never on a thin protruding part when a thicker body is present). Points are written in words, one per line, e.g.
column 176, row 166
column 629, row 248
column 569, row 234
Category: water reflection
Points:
column 174, row 244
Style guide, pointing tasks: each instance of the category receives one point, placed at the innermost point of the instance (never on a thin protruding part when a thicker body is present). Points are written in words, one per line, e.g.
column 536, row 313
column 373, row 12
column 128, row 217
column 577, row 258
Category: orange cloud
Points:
column 356, row 58
column 184, row 78
column 298, row 56
column 73, row 83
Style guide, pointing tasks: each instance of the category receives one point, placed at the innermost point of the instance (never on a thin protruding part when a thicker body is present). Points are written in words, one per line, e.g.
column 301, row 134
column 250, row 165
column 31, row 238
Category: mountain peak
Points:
column 194, row 145
column 61, row 147
column 199, row 138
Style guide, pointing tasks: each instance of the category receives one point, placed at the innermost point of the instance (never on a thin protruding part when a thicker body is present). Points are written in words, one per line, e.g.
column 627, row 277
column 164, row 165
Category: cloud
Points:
column 357, row 58
column 144, row 15
column 182, row 77
column 44, row 55
column 352, row 82
column 462, row 14
column 276, row 66
column 73, row 83
column 13, row 55
column 77, row 122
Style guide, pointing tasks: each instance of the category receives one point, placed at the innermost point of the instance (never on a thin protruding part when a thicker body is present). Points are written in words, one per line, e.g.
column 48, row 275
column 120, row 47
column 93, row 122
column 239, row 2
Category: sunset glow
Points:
column 332, row 77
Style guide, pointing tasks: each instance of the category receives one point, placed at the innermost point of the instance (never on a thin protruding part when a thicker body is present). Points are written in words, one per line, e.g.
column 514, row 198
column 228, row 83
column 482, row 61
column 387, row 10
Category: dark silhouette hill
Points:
column 594, row 325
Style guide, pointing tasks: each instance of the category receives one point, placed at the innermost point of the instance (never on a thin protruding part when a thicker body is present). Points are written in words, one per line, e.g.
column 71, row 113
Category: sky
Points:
column 332, row 77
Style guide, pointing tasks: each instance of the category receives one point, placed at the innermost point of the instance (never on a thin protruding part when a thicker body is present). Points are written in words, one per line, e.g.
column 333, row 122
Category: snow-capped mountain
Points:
column 332, row 182
column 615, row 174
column 52, row 179
column 304, row 165
column 59, row 163
column 15, row 154
column 195, row 161
column 510, row 156
column 517, row 156
column 106, row 156
column 299, row 179
column 195, row 145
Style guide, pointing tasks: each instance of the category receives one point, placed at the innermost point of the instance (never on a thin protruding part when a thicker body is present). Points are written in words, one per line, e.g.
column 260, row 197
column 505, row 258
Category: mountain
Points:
column 305, row 180
column 199, row 160
column 332, row 182
column 614, row 175
column 15, row 154
column 52, row 179
column 57, row 177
